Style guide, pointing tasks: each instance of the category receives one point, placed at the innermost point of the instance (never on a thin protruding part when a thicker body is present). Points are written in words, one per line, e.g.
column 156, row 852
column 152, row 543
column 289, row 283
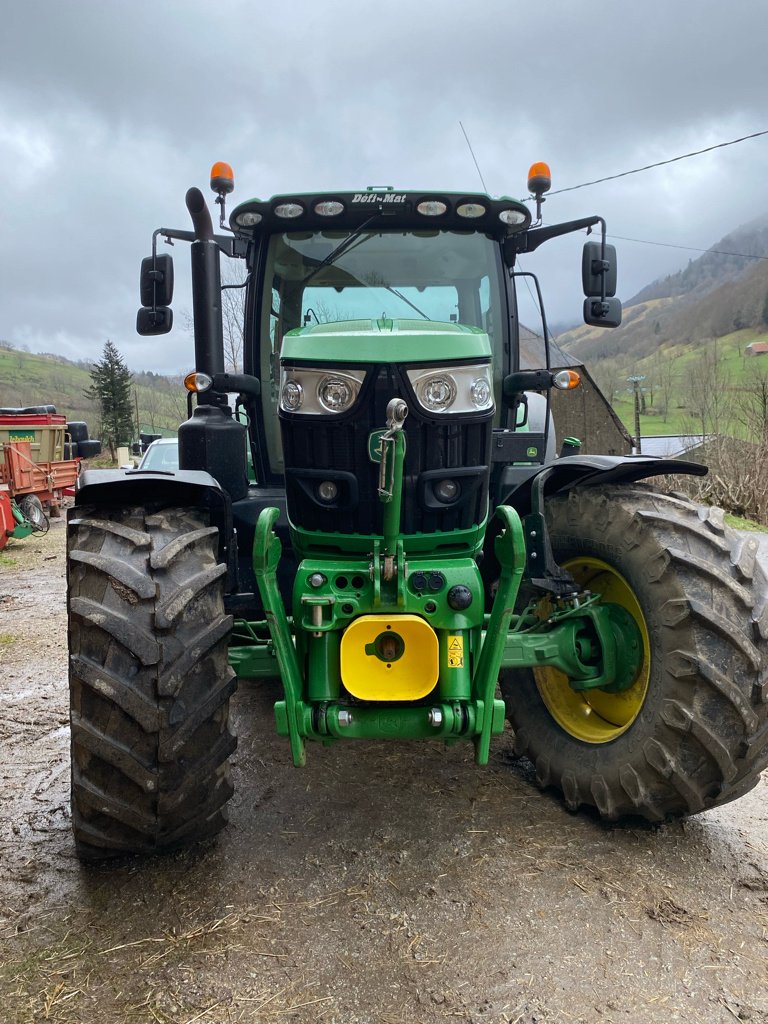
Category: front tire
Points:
column 691, row 732
column 149, row 680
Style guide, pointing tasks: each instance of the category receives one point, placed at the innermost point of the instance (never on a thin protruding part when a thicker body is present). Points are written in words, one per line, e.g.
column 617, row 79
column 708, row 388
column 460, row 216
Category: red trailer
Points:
column 33, row 469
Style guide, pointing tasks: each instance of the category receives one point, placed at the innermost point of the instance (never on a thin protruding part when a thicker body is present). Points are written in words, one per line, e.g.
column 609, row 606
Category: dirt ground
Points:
column 383, row 884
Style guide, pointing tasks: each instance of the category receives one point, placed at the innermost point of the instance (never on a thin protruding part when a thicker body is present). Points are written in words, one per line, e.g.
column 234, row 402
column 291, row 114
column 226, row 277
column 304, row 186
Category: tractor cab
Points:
column 351, row 300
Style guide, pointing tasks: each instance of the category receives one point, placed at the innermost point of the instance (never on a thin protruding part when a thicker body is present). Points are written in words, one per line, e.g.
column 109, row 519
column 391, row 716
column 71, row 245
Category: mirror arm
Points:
column 229, row 246
column 531, row 240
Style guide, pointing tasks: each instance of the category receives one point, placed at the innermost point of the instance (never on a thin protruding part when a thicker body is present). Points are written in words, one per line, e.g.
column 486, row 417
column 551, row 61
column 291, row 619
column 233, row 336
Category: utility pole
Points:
column 635, row 380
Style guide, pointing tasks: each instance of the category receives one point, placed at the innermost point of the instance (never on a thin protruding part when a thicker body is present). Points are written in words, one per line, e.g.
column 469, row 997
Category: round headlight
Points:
column 432, row 207
column 335, row 394
column 293, row 395
column 289, row 210
column 446, row 491
column 480, row 392
column 329, row 208
column 248, row 219
column 437, row 393
column 513, row 217
column 327, row 491
column 470, row 210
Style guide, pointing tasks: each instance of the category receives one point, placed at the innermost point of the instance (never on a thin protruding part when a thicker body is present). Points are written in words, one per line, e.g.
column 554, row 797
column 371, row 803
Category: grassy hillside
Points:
column 32, row 379
column 684, row 345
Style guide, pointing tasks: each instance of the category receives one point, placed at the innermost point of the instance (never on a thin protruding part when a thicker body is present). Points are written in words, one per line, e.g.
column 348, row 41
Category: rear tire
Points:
column 150, row 682
column 697, row 733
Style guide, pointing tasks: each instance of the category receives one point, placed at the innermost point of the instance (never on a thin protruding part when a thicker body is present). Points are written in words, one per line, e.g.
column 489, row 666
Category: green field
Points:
column 718, row 365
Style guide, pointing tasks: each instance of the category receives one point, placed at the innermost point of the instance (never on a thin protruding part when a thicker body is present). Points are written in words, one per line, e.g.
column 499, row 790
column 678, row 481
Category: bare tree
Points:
column 664, row 364
column 708, row 393
column 233, row 315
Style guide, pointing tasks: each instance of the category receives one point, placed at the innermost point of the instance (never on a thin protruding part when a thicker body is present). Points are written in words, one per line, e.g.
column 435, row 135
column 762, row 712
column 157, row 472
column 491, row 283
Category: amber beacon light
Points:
column 222, row 178
column 539, row 179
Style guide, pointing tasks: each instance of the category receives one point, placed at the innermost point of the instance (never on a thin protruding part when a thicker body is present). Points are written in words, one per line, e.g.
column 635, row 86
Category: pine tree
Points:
column 111, row 388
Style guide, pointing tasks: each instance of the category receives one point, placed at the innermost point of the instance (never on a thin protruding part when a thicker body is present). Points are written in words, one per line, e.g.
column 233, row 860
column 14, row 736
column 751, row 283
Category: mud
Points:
column 383, row 883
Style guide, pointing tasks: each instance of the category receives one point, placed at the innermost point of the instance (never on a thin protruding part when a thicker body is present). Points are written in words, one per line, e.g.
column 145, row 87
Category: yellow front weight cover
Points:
column 389, row 657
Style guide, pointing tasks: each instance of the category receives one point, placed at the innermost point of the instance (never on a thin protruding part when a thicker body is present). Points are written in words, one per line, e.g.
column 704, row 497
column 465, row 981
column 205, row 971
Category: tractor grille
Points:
column 335, row 448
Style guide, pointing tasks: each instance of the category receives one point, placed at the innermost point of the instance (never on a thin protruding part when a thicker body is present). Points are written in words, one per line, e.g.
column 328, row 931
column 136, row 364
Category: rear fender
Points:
column 152, row 490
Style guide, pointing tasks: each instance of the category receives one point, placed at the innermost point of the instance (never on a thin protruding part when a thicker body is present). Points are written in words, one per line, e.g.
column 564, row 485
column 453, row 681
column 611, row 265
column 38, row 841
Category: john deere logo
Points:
column 532, row 452
column 374, row 445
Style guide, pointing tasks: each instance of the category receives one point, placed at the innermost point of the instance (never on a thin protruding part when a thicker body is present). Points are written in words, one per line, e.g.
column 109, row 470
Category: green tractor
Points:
column 373, row 510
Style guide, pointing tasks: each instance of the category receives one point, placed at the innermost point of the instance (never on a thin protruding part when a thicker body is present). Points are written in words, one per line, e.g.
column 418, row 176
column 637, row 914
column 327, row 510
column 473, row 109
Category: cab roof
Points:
column 381, row 207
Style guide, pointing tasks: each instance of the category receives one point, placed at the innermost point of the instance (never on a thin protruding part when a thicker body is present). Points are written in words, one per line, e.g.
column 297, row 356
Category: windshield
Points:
column 330, row 277
column 448, row 276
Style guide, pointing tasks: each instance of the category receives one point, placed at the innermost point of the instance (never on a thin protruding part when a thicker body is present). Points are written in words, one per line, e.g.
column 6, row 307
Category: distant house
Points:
column 757, row 348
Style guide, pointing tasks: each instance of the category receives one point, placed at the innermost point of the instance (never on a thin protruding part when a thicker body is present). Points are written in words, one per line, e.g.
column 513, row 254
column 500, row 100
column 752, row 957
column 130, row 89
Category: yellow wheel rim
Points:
column 595, row 716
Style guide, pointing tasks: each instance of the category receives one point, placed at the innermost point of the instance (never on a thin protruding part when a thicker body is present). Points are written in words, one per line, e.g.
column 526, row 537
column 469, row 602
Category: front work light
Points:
column 471, row 210
column 249, row 219
column 514, row 218
column 432, row 207
column 329, row 208
column 289, row 210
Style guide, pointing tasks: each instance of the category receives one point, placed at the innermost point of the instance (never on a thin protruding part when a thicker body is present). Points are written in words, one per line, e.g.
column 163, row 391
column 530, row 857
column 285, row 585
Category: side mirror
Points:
column 154, row 321
column 599, row 313
column 156, row 281
column 595, row 269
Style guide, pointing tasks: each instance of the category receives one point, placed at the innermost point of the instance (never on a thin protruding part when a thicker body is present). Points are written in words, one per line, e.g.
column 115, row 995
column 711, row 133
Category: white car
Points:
column 161, row 454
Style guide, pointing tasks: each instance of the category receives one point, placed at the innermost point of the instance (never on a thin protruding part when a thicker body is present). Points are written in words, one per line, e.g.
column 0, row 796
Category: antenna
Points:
column 469, row 144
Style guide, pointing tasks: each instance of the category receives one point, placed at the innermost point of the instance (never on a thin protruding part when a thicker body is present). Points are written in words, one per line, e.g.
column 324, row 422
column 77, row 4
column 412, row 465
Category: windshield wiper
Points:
column 340, row 249
column 407, row 302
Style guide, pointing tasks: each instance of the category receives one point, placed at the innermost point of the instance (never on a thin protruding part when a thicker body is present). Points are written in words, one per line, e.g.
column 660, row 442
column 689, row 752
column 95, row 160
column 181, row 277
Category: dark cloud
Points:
column 108, row 112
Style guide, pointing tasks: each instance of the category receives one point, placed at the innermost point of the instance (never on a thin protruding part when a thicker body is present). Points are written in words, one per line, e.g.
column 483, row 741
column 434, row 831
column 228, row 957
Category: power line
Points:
column 477, row 165
column 660, row 163
column 690, row 248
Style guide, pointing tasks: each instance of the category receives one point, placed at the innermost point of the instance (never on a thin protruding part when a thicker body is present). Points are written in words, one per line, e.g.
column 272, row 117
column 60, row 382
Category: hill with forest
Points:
column 28, row 378
column 708, row 313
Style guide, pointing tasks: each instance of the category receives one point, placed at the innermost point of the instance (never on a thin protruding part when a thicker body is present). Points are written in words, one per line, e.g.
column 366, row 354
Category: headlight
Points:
column 319, row 391
column 335, row 393
column 292, row 396
column 437, row 393
column 480, row 392
column 458, row 389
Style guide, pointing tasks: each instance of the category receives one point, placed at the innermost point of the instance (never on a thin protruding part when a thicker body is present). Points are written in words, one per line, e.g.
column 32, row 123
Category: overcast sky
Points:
column 110, row 110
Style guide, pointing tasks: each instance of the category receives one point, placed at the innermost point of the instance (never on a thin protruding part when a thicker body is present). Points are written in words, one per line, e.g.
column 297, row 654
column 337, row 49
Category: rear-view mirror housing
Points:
column 594, row 268
column 156, row 280
column 602, row 313
column 154, row 321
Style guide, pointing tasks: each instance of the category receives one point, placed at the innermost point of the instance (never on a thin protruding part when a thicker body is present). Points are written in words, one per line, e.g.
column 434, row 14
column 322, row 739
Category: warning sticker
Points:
column 455, row 652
